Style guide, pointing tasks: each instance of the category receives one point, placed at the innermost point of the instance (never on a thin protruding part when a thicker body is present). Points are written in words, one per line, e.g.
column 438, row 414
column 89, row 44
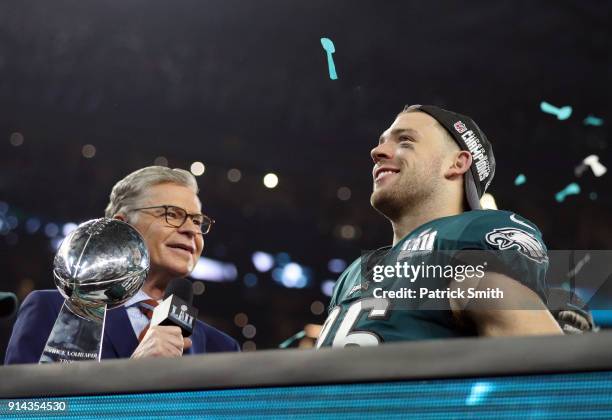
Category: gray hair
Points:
column 130, row 191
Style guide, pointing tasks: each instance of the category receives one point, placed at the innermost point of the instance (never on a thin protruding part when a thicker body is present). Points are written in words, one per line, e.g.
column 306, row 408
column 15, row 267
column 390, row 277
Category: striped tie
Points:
column 146, row 307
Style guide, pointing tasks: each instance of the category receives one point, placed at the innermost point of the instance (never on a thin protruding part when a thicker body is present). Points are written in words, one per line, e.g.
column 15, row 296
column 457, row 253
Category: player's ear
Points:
column 460, row 164
column 120, row 216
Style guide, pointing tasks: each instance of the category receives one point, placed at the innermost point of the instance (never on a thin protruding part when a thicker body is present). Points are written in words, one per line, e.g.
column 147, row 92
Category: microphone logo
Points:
column 183, row 316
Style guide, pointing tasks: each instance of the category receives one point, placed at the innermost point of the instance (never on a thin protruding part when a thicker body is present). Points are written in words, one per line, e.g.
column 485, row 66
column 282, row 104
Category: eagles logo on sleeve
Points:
column 514, row 238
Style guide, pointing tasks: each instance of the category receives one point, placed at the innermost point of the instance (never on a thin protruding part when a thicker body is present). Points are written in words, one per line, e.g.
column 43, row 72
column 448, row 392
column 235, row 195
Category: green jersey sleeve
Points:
column 515, row 244
column 348, row 281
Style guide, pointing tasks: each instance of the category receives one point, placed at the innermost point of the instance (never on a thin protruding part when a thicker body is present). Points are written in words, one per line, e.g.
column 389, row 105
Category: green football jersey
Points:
column 359, row 315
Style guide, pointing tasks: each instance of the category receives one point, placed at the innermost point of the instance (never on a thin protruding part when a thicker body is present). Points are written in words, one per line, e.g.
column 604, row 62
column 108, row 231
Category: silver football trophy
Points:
column 99, row 266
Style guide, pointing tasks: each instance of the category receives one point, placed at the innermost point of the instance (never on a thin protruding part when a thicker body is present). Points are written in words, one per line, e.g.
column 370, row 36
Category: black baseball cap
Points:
column 469, row 137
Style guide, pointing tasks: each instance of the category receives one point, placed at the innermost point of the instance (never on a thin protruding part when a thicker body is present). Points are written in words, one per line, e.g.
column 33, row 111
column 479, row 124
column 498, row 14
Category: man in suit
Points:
column 162, row 204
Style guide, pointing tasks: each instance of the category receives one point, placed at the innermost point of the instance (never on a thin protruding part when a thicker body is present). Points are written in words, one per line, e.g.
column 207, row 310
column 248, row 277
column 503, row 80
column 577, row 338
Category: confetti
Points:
column 592, row 161
column 592, row 120
column 520, row 179
column 329, row 48
column 562, row 113
column 571, row 189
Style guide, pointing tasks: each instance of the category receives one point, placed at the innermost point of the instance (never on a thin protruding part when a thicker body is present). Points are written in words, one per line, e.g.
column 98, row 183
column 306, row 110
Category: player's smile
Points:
column 383, row 174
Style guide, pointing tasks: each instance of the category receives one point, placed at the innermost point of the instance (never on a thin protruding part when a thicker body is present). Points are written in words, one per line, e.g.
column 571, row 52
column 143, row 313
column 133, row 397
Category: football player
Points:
column 431, row 167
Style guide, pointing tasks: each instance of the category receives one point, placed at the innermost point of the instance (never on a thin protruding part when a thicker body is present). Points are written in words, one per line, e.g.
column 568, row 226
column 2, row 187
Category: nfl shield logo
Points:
column 460, row 127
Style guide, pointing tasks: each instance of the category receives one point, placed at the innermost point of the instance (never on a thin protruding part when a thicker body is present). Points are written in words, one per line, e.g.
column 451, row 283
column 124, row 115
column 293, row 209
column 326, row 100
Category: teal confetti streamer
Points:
column 562, row 113
column 571, row 189
column 329, row 48
column 592, row 120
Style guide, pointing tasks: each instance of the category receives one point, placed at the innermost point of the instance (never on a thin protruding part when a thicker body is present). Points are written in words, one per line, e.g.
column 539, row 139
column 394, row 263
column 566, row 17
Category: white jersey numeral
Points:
column 327, row 325
column 346, row 336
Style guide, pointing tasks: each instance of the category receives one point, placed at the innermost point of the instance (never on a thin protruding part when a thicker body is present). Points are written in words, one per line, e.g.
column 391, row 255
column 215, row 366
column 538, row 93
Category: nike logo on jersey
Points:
column 515, row 220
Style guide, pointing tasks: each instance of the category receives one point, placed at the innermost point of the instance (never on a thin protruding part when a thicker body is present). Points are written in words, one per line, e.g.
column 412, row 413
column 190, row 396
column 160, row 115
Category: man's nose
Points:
column 382, row 151
column 189, row 227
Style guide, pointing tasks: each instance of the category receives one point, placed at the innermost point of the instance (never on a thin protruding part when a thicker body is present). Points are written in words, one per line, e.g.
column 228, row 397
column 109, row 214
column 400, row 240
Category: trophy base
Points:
column 76, row 335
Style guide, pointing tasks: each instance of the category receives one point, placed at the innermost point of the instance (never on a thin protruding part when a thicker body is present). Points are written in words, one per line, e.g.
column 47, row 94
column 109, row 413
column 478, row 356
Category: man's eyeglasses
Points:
column 176, row 217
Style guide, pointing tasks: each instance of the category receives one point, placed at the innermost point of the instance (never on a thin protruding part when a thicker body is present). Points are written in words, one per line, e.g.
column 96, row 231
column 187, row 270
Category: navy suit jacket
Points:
column 40, row 309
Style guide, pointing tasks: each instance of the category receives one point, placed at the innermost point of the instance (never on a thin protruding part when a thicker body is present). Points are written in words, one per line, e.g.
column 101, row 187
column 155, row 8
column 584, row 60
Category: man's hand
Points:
column 576, row 321
column 162, row 341
column 570, row 311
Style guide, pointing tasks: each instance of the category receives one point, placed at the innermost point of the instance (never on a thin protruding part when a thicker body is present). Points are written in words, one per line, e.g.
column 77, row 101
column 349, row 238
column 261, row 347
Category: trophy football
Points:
column 99, row 266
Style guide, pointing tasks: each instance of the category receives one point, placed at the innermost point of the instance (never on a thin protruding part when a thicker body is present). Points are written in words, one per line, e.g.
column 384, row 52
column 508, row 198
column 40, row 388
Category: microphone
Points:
column 8, row 304
column 177, row 307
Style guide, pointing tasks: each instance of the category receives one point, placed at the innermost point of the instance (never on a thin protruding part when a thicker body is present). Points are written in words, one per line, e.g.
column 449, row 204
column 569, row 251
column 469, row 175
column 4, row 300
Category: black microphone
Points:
column 177, row 307
column 8, row 304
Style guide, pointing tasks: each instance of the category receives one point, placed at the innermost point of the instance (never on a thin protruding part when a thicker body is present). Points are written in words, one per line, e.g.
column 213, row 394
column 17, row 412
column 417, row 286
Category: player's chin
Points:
column 387, row 202
column 380, row 199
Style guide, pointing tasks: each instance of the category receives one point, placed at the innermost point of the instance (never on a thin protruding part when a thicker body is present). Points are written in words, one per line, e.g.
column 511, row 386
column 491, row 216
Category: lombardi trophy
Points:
column 99, row 266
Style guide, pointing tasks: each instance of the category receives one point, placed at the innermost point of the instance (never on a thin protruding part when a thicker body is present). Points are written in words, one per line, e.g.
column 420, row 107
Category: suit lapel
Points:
column 199, row 340
column 119, row 333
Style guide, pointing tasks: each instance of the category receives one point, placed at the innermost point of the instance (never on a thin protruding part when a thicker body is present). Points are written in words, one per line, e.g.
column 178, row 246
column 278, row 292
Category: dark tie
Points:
column 146, row 307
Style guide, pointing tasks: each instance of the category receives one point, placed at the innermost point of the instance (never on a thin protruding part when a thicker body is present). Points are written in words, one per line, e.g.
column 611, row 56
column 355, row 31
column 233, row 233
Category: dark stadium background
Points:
column 245, row 85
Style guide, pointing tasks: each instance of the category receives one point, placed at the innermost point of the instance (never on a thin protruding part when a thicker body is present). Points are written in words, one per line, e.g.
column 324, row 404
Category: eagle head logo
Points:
column 523, row 242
